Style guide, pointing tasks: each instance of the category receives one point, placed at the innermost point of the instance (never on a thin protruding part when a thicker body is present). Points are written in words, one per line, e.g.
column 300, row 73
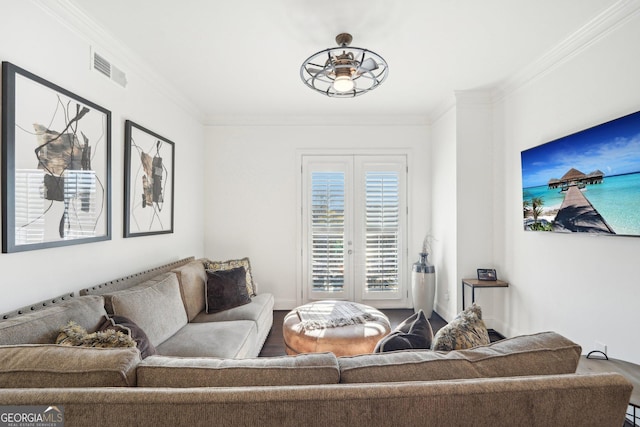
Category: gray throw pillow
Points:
column 226, row 289
column 122, row 323
column 413, row 333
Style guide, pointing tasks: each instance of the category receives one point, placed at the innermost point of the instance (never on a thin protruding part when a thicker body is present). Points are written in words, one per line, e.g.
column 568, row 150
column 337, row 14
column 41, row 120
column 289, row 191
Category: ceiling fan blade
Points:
column 367, row 65
column 315, row 71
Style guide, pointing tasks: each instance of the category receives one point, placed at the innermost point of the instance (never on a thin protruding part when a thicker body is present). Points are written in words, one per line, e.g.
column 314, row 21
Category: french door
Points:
column 354, row 218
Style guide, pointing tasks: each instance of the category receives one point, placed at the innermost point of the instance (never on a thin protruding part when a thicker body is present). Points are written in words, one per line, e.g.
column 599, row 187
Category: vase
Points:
column 423, row 285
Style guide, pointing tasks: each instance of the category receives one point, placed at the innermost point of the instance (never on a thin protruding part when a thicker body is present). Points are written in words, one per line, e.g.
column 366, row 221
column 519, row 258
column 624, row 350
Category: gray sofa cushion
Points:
column 144, row 284
column 53, row 365
column 192, row 279
column 156, row 308
column 42, row 326
column 260, row 304
column 260, row 311
column 316, row 368
column 237, row 339
column 545, row 353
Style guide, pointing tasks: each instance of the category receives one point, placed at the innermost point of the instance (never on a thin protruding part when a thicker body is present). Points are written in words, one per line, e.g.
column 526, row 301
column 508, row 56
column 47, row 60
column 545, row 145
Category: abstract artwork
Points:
column 586, row 182
column 149, row 160
column 56, row 165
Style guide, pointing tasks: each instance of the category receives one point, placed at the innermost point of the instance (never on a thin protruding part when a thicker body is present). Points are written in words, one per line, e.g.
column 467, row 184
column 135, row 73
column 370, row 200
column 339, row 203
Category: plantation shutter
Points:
column 382, row 222
column 327, row 231
column 353, row 228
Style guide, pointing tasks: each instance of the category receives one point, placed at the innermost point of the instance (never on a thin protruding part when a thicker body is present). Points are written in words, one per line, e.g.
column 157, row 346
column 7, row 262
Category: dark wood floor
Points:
column 274, row 345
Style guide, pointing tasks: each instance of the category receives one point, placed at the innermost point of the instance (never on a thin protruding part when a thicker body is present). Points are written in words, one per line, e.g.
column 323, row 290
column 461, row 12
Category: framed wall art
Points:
column 56, row 165
column 149, row 177
column 586, row 182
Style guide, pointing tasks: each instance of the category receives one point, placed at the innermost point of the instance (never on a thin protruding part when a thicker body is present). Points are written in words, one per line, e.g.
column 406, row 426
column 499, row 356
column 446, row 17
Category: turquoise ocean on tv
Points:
column 617, row 199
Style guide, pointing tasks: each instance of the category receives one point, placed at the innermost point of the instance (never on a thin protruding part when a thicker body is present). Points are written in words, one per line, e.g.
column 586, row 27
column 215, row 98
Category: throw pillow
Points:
column 234, row 263
column 226, row 289
column 122, row 323
column 467, row 330
column 413, row 333
column 75, row 335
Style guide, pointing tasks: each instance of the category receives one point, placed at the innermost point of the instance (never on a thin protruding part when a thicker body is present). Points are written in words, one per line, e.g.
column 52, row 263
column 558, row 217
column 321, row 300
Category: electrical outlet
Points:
column 601, row 347
column 446, row 296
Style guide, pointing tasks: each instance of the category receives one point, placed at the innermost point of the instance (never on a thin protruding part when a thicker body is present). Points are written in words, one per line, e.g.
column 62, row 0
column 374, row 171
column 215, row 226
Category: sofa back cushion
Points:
column 43, row 326
column 303, row 369
column 144, row 284
column 192, row 279
column 50, row 365
column 544, row 353
column 156, row 308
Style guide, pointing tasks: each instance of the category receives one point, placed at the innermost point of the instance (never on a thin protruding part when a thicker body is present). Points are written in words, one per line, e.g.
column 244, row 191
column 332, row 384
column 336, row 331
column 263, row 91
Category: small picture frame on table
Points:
column 487, row 274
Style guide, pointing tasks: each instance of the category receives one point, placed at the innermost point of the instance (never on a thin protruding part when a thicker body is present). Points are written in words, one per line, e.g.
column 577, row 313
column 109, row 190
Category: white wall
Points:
column 463, row 202
column 584, row 287
column 46, row 46
column 252, row 206
column 444, row 210
column 475, row 193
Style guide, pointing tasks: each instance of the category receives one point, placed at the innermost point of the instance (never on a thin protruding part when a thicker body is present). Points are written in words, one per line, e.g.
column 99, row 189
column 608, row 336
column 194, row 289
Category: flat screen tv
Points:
column 586, row 182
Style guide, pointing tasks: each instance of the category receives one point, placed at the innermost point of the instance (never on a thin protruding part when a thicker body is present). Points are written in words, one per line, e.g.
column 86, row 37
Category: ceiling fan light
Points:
column 333, row 72
column 343, row 84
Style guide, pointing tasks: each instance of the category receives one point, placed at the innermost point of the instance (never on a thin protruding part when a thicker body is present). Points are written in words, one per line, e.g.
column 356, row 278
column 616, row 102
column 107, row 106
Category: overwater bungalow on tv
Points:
column 576, row 178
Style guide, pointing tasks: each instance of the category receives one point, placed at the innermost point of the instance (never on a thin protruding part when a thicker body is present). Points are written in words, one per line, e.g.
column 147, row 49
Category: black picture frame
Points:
column 56, row 165
column 148, row 182
column 487, row 274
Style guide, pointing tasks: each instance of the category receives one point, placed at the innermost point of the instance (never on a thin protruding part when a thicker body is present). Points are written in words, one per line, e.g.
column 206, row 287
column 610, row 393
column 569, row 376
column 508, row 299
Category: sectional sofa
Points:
column 205, row 371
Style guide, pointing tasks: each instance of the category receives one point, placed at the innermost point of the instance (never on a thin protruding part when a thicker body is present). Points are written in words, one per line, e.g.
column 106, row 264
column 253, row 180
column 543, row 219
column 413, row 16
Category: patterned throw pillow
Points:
column 234, row 263
column 74, row 335
column 467, row 330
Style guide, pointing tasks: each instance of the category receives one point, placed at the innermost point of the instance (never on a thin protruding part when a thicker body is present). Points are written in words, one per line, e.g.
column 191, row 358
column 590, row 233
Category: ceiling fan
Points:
column 344, row 71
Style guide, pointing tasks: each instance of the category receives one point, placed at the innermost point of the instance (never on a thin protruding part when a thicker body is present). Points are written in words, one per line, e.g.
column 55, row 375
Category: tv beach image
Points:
column 585, row 182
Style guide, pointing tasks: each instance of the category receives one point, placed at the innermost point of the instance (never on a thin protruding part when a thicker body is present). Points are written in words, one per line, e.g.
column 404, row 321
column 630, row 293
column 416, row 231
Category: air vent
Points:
column 106, row 68
column 101, row 65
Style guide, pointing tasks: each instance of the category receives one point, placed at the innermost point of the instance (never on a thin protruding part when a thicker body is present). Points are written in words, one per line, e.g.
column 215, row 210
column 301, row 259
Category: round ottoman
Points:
column 341, row 327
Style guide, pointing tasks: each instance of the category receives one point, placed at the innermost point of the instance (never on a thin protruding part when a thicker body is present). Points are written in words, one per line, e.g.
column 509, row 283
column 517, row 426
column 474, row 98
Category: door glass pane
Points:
column 382, row 231
column 327, row 231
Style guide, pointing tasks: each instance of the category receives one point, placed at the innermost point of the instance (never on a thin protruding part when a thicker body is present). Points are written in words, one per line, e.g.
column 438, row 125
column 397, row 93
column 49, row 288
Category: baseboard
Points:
column 284, row 304
column 444, row 313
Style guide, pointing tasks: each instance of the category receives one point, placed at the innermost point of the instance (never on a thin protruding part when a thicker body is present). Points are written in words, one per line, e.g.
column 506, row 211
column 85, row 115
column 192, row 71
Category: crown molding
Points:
column 607, row 21
column 443, row 108
column 462, row 98
column 474, row 97
column 82, row 25
column 308, row 120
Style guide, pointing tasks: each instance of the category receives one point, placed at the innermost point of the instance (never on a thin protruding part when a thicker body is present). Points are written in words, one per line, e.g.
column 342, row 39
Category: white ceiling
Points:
column 237, row 62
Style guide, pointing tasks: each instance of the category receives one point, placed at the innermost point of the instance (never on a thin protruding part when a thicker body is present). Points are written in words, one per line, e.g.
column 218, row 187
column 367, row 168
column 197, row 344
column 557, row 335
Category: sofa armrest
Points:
column 50, row 365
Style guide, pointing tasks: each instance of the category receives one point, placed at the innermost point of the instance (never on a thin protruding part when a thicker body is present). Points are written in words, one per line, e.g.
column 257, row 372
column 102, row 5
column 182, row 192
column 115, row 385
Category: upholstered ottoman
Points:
column 341, row 327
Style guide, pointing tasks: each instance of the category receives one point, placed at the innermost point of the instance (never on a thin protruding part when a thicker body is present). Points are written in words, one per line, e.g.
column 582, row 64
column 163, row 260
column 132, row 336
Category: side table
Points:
column 629, row 370
column 475, row 283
